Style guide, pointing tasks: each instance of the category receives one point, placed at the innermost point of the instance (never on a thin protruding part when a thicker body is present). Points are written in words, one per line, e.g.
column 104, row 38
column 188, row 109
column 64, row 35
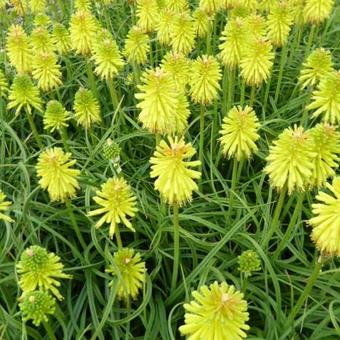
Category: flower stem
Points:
column 243, row 92
column 290, row 227
column 231, row 89
column 118, row 238
column 74, row 223
column 234, row 180
column 266, row 98
column 91, row 79
column 64, row 138
column 113, row 94
column 311, row 37
column 176, row 247
column 276, row 218
column 252, row 95
column 310, row 283
column 49, row 331
column 34, row 129
column 283, row 60
column 201, row 145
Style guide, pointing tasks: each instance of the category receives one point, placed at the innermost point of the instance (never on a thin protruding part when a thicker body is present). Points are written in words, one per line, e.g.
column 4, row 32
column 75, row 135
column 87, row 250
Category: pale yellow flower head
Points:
column 164, row 26
column 326, row 220
column 56, row 174
column 41, row 40
column 317, row 66
column 129, row 270
column 171, row 166
column 326, row 98
column 202, row 23
column 46, row 71
column 290, row 160
column 217, row 311
column 204, row 82
column 61, row 38
column 55, row 117
column 239, row 133
column 3, row 85
column 211, row 6
column 117, row 203
column 18, row 49
column 4, row 205
column 37, row 6
column 147, row 14
column 176, row 5
column 137, row 46
column 317, row 11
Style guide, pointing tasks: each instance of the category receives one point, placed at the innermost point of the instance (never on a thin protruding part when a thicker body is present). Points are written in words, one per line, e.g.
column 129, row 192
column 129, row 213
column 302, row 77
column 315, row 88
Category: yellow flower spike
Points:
column 239, row 133
column 42, row 20
column 41, row 40
column 290, row 160
column 217, row 311
column 39, row 269
column 83, row 28
column 249, row 4
column 117, row 203
column 279, row 23
column 55, row 117
column 255, row 25
column 107, row 58
column 160, row 102
column 24, row 95
column 267, row 5
column 317, row 66
column 61, row 38
column 18, row 49
column 178, row 66
column 137, row 46
column 230, row 4
column 211, row 6
column 4, row 205
column 129, row 270
column 202, row 22
column 177, row 5
column 204, row 82
column 46, row 71
column 171, row 166
column 37, row 6
column 326, row 220
column 164, row 26
column 183, row 33
column 56, row 174
column 317, row 11
column 82, row 5
column 326, row 98
column 20, row 6
column 147, row 14
column 86, row 108
column 233, row 40
column 326, row 145
column 3, row 85
column 256, row 62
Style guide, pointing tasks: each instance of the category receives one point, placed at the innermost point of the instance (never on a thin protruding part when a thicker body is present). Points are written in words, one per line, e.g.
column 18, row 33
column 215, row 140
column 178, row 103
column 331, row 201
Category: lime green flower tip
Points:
column 137, row 45
column 56, row 174
column 24, row 95
column 256, row 62
column 38, row 6
column 42, row 19
column 147, row 14
column 317, row 66
column 37, row 306
column 205, row 77
column 61, row 38
column 107, row 58
column 249, row 262
column 317, row 11
column 164, row 108
column 202, row 22
column 3, row 85
column 4, row 205
column 39, row 269
column 326, row 220
column 86, row 108
column 41, row 40
column 129, row 270
column 117, row 203
column 216, row 312
column 326, row 98
column 56, row 117
column 326, row 146
column 290, row 160
column 239, row 133
column 171, row 165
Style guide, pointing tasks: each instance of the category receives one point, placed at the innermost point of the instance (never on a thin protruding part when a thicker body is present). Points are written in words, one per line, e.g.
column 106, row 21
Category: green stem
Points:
column 234, row 181
column 283, row 60
column 266, row 98
column 118, row 238
column 225, row 90
column 296, row 43
column 243, row 92
column 176, row 247
column 91, row 78
column 34, row 129
column 64, row 138
column 201, row 145
column 310, row 283
column 49, row 331
column 113, row 94
column 231, row 89
column 291, row 225
column 311, row 37
column 74, row 223
column 157, row 139
column 252, row 95
column 276, row 218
